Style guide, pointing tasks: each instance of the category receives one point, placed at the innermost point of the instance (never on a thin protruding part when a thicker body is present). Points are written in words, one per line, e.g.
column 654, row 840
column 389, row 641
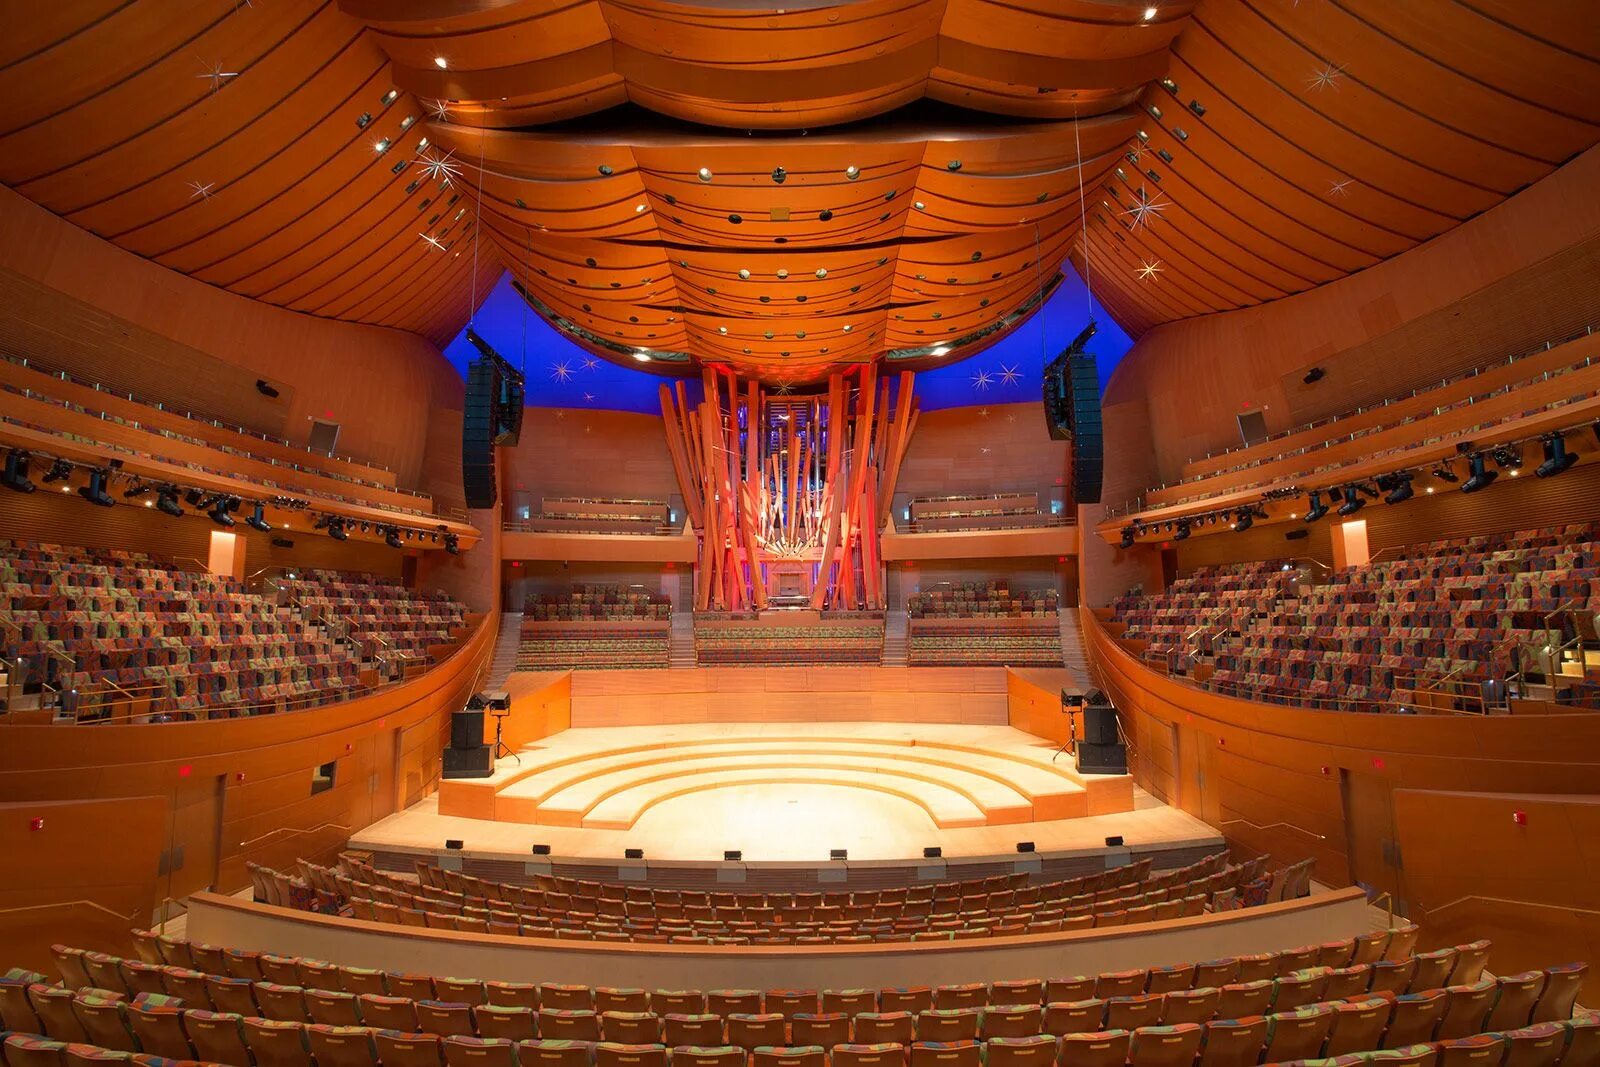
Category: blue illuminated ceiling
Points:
column 562, row 375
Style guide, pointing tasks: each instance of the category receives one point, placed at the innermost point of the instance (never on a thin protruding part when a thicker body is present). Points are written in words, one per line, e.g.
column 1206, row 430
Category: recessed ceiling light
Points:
column 638, row 209
column 722, row 329
column 1150, row 13
column 782, row 273
column 822, row 272
column 852, row 172
column 705, row 174
column 441, row 62
column 744, row 274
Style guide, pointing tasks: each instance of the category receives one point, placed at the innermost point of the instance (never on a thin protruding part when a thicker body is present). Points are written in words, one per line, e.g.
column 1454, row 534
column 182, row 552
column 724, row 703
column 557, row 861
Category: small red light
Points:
column 1520, row 818
column 516, row 563
column 347, row 748
column 1324, row 768
column 1377, row 763
column 36, row 824
column 183, row 772
column 239, row 777
column 1221, row 743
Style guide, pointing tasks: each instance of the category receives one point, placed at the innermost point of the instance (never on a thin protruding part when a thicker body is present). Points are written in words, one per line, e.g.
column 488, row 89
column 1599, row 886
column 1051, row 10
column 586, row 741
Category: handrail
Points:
column 1271, row 826
column 1514, row 903
column 294, row 831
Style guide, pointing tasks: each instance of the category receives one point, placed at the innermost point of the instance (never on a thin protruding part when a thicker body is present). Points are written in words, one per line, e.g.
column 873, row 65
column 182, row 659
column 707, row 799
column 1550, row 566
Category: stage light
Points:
column 167, row 501
column 1366, row 489
column 336, row 530
column 193, row 497
column 1401, row 489
column 95, row 492
column 1445, row 473
column 1352, row 501
column 1316, row 508
column 1556, row 456
column 1182, row 532
column 59, row 470
column 1127, row 537
column 1478, row 474
column 220, row 511
column 258, row 518
column 1508, row 457
column 16, row 475
column 452, row 544
column 392, row 538
column 1245, row 519
column 136, row 489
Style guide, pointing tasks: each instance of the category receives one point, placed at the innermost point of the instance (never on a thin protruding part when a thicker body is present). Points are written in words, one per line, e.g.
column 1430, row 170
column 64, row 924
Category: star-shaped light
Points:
column 1011, row 416
column 1326, row 77
column 1145, row 207
column 1148, row 270
column 432, row 240
column 784, row 388
column 201, row 189
column 982, row 380
column 439, row 109
column 1009, row 375
column 589, row 397
column 1340, row 186
column 442, row 167
column 561, row 371
column 560, row 414
column 1137, row 150
column 590, row 363
column 984, row 450
column 214, row 74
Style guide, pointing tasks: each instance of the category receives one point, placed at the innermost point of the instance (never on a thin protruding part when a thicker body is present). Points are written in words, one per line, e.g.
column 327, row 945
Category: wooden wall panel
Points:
column 167, row 336
column 577, row 452
column 1256, row 543
column 528, row 577
column 541, row 705
column 1335, row 787
column 224, row 793
column 982, row 449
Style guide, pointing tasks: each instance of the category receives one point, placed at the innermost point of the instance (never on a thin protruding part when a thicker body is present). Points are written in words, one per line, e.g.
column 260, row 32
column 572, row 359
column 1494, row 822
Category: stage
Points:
column 785, row 795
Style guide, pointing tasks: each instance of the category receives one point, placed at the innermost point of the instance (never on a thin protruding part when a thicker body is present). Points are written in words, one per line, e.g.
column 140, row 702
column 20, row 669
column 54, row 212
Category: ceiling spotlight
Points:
column 258, row 518
column 452, row 544
column 136, row 489
column 705, row 174
column 1316, row 509
column 1556, row 457
column 1150, row 13
column 392, row 538
column 167, row 501
column 1353, row 501
column 1246, row 519
column 1127, row 537
column 852, row 172
column 16, row 475
column 441, row 62
column 1478, row 475
column 95, row 492
column 337, row 531
column 59, row 470
column 221, row 511
column 1508, row 457
column 1182, row 532
column 1401, row 489
column 1445, row 473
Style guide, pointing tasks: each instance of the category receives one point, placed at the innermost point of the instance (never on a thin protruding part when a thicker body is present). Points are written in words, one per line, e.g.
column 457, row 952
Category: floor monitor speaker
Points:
column 467, row 762
column 1102, row 759
column 1100, row 724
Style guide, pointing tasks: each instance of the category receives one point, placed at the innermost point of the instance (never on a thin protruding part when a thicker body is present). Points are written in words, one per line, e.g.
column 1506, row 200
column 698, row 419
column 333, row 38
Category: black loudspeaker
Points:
column 1024, row 846
column 468, row 762
column 1102, row 759
column 541, row 850
column 732, row 855
column 477, row 435
column 932, row 852
column 1072, row 413
column 455, row 844
column 1114, row 841
column 466, row 729
column 1100, row 724
column 633, row 853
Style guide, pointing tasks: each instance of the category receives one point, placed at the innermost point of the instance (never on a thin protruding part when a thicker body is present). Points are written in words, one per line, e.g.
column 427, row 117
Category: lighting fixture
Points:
column 167, row 501
column 642, row 356
column 1352, row 501
column 452, row 544
column 1245, row 519
column 1478, row 475
column 59, row 470
column 1150, row 13
column 221, row 511
column 1127, row 537
column 1401, row 488
column 337, row 531
column 95, row 492
column 258, row 518
column 1508, row 457
column 1445, row 473
column 441, row 62
column 941, row 351
column 392, row 538
column 136, row 489
column 1556, row 457
column 16, row 474
column 1182, row 532
column 1316, row 508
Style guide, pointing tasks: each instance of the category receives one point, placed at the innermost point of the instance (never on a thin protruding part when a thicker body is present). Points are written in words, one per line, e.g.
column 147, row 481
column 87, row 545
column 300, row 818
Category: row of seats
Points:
column 607, row 602
column 580, row 647
column 988, row 511
column 189, row 644
column 976, row 644
column 606, row 515
column 1366, row 637
column 971, row 600
column 733, row 645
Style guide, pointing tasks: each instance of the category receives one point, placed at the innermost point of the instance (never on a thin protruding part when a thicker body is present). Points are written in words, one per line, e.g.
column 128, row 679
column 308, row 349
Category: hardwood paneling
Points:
column 982, row 449
column 576, row 452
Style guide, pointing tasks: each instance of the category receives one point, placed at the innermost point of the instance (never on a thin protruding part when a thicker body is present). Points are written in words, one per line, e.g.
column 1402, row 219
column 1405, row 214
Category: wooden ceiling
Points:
column 278, row 148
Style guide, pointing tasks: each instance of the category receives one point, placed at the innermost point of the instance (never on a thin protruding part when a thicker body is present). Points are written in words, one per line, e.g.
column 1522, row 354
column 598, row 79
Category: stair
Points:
column 894, row 639
column 1072, row 653
column 505, row 650
column 680, row 643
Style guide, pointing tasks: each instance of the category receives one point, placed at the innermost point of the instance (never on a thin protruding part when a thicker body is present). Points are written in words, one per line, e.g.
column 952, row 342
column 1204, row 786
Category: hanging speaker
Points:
column 477, row 435
column 1072, row 413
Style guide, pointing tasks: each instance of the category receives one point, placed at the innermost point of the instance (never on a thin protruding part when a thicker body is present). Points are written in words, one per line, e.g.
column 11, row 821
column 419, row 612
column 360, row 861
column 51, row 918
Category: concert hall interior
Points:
column 857, row 533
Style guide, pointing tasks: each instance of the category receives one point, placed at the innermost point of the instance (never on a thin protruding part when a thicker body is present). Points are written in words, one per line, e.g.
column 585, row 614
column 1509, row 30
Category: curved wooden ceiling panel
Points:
column 1289, row 145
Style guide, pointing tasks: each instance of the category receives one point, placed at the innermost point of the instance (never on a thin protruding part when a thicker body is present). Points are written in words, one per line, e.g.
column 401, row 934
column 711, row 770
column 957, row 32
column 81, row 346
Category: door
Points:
column 324, row 435
column 1371, row 844
column 1252, row 427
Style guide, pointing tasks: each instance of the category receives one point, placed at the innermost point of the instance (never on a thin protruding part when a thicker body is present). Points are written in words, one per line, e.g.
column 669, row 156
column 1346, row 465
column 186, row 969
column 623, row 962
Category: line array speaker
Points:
column 1072, row 413
column 477, row 436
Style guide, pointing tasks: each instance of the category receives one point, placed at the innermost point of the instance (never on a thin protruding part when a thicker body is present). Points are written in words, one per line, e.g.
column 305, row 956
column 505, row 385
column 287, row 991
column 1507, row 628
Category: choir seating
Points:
column 606, row 515
column 741, row 639
column 1372, row 998
column 983, row 624
column 988, row 511
column 1476, row 611
column 595, row 626
column 132, row 636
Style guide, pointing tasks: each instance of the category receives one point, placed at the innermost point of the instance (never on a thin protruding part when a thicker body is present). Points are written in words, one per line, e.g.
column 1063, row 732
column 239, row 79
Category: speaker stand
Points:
column 500, row 746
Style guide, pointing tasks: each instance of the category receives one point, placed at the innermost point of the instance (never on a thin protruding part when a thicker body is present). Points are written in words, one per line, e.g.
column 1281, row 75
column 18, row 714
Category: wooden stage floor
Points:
column 787, row 793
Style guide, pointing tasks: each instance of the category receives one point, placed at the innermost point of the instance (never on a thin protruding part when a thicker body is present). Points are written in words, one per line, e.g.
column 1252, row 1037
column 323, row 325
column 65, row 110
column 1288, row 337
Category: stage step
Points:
column 1072, row 653
column 680, row 648
column 894, row 638
column 505, row 650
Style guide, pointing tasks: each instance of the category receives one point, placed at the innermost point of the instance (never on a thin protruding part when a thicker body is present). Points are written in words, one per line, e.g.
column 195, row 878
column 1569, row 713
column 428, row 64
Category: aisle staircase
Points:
column 505, row 650
column 680, row 644
column 894, row 639
column 1072, row 653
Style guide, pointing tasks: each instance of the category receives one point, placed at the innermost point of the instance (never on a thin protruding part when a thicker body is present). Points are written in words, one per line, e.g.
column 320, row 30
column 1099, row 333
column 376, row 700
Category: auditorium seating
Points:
column 1379, row 637
column 604, row 515
column 983, row 624
column 735, row 639
column 595, row 626
column 988, row 511
column 171, row 643
column 54, row 402
column 184, row 1000
column 567, row 908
